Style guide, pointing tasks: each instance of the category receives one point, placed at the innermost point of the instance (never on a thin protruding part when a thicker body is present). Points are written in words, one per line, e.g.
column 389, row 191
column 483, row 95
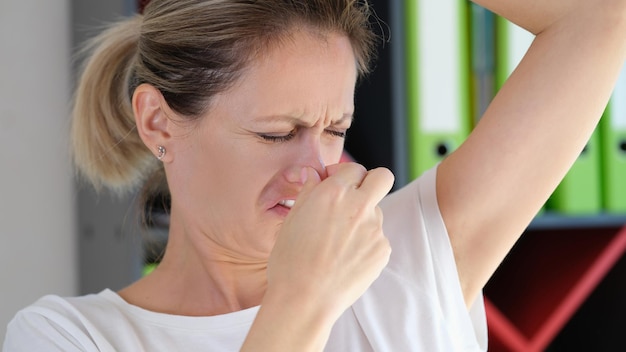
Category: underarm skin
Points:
column 533, row 130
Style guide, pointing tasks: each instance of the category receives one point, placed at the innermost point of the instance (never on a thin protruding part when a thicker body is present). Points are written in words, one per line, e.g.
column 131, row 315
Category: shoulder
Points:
column 55, row 323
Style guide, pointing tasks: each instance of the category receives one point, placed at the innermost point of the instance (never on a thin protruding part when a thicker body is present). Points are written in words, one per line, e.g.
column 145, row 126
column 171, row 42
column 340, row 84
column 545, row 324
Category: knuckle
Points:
column 385, row 174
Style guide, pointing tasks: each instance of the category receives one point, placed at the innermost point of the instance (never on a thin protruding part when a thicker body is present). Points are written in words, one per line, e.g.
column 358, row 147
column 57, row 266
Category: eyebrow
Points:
column 344, row 117
column 298, row 121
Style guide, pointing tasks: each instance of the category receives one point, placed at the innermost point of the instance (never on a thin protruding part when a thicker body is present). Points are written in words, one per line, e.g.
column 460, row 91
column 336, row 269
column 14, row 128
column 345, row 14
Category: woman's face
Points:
column 233, row 175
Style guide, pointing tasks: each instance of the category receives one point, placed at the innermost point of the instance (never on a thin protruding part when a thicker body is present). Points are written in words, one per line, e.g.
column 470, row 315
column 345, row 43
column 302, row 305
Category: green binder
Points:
column 482, row 58
column 613, row 145
column 579, row 193
column 437, row 70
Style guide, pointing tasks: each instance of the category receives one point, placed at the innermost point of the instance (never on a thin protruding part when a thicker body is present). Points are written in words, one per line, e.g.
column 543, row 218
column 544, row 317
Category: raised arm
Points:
column 492, row 186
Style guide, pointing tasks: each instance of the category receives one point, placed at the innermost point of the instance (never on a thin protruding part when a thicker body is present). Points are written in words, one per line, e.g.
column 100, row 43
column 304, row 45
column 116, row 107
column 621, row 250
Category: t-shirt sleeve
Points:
column 445, row 271
column 47, row 325
column 423, row 273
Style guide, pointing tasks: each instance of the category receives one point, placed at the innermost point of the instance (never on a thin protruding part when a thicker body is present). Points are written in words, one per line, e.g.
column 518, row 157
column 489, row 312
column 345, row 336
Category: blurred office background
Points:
column 561, row 288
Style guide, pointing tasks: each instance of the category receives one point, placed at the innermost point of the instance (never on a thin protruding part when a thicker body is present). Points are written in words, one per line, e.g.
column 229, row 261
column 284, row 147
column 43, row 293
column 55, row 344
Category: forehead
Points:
column 306, row 74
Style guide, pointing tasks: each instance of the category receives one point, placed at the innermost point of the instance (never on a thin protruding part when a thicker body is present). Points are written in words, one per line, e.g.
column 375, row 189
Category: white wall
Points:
column 37, row 221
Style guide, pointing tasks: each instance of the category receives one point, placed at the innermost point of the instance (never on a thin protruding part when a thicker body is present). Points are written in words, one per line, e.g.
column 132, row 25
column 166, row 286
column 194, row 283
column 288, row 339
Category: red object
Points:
column 345, row 157
column 542, row 283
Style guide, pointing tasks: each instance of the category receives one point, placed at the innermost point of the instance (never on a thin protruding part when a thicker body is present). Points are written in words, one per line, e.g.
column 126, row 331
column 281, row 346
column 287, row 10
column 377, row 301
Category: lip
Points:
column 277, row 191
column 281, row 209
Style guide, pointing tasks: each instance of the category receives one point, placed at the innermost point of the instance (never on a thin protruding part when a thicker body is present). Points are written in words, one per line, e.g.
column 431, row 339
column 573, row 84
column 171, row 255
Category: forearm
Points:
column 538, row 15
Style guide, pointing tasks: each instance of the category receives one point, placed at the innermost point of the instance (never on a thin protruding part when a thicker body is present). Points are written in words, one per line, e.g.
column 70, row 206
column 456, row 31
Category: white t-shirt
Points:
column 415, row 305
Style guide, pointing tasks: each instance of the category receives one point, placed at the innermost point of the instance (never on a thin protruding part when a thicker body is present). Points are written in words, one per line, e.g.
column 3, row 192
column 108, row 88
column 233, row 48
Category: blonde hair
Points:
column 189, row 50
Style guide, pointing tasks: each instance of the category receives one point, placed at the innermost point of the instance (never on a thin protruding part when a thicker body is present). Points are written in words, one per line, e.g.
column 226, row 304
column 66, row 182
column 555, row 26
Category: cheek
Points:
column 332, row 153
column 228, row 185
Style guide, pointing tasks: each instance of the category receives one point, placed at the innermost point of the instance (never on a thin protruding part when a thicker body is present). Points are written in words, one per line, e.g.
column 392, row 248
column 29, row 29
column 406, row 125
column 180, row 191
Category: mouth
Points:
column 287, row 203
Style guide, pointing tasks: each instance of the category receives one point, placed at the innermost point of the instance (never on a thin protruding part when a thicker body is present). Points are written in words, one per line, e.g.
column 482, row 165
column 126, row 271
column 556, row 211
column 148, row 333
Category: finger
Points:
column 348, row 174
column 377, row 183
column 379, row 214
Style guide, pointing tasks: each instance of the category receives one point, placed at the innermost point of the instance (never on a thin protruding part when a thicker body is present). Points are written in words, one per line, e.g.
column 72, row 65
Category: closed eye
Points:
column 335, row 133
column 278, row 138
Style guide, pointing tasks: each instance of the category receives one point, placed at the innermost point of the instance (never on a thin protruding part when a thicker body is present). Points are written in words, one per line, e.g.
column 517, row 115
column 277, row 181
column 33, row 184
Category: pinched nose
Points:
column 310, row 157
column 297, row 173
column 319, row 166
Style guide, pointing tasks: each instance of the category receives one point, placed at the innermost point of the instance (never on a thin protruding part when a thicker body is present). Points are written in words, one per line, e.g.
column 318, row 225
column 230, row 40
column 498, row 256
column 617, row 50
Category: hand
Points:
column 331, row 246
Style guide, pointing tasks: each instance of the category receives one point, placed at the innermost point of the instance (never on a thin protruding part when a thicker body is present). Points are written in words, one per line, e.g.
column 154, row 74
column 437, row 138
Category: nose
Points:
column 306, row 155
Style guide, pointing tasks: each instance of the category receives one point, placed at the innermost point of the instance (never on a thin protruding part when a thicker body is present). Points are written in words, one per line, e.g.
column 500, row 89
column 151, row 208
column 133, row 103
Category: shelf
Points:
column 544, row 280
column 553, row 220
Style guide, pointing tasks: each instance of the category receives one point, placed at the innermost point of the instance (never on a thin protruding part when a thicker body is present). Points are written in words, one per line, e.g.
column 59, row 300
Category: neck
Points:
column 197, row 278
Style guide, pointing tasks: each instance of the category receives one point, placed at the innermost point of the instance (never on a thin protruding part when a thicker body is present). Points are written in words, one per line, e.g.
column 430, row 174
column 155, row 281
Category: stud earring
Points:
column 161, row 150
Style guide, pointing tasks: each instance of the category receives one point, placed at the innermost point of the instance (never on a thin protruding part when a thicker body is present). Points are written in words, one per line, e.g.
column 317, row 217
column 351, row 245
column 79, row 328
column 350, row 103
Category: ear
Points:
column 151, row 118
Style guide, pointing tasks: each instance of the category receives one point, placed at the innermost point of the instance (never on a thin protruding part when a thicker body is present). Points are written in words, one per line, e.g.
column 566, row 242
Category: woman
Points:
column 243, row 107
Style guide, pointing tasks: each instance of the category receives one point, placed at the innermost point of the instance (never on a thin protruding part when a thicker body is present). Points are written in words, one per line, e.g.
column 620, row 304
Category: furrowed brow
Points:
column 345, row 118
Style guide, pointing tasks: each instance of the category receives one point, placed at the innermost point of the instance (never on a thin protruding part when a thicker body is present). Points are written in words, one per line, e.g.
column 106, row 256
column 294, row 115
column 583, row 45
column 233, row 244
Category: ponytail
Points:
column 107, row 150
